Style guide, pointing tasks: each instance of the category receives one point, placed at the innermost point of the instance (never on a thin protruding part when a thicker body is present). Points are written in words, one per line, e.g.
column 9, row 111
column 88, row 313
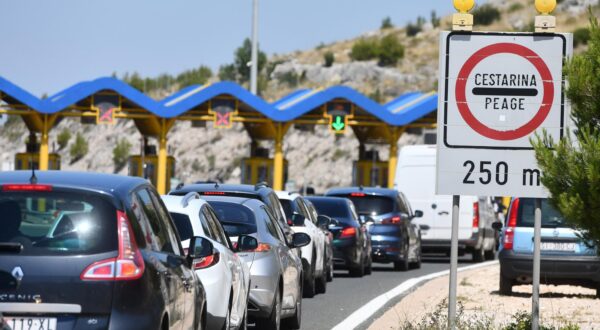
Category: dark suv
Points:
column 93, row 251
column 393, row 235
column 260, row 191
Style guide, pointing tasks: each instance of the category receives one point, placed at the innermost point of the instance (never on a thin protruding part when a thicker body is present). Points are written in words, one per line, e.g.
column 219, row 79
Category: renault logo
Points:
column 17, row 273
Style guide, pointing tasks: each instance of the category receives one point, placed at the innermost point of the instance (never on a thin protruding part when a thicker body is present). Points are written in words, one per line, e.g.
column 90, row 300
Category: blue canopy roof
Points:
column 402, row 111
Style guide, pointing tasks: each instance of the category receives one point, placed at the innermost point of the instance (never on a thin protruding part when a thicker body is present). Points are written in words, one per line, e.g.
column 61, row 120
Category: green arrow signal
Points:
column 338, row 124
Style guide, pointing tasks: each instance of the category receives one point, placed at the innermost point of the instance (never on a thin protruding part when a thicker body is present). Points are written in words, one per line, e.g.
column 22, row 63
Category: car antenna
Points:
column 216, row 185
column 33, row 179
column 360, row 187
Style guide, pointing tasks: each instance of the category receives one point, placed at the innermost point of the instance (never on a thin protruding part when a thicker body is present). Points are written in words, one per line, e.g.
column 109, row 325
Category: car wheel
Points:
column 295, row 321
column 227, row 324
column 506, row 285
column 330, row 272
column 479, row 254
column 273, row 322
column 491, row 254
column 309, row 283
column 322, row 280
column 418, row 262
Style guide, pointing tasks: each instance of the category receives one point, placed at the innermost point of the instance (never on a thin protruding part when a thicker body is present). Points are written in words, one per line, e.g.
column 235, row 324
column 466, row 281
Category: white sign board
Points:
column 497, row 90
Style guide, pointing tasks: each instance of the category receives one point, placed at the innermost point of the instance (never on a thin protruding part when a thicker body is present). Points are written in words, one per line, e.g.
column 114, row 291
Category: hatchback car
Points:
column 224, row 274
column 351, row 240
column 93, row 251
column 275, row 270
column 566, row 259
column 314, row 255
column 394, row 236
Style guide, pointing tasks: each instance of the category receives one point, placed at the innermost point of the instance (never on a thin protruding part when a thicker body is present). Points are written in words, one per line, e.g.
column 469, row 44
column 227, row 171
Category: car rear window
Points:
column 58, row 223
column 551, row 218
column 236, row 219
column 183, row 224
column 372, row 205
column 337, row 210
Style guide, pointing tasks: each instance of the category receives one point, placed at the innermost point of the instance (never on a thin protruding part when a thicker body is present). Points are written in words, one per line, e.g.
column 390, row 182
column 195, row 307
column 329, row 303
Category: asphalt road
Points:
column 346, row 294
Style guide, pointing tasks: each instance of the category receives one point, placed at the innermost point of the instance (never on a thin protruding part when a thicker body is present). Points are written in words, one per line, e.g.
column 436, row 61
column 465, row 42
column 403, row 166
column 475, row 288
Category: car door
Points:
column 167, row 263
column 315, row 233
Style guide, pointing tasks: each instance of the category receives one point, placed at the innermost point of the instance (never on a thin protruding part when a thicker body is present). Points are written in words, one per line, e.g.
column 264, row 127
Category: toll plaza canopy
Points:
column 104, row 100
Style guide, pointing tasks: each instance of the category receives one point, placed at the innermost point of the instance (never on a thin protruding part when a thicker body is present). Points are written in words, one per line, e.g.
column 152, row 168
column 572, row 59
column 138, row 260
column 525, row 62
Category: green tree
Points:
column 328, row 58
column 198, row 76
column 365, row 49
column 390, row 50
column 571, row 166
column 227, row 72
column 486, row 14
column 581, row 36
column 121, row 154
column 79, row 148
column 386, row 23
column 435, row 20
column 243, row 57
column 63, row 138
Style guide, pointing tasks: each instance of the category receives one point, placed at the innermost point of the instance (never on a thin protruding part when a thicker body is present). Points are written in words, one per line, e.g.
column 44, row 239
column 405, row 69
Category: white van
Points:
column 415, row 177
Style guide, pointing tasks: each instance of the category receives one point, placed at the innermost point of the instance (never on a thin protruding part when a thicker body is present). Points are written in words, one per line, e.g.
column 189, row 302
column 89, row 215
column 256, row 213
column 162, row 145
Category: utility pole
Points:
column 254, row 61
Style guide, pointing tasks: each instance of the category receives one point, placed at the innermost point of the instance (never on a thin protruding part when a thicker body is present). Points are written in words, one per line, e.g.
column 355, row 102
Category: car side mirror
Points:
column 497, row 225
column 246, row 243
column 418, row 214
column 298, row 219
column 300, row 239
column 323, row 221
column 200, row 247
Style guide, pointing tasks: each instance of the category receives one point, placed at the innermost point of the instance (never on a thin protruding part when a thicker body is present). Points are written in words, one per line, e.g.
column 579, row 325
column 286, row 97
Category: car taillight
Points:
column 476, row 215
column 128, row 265
column 206, row 261
column 348, row 232
column 220, row 193
column 263, row 247
column 509, row 233
column 393, row 220
column 358, row 194
column 290, row 222
column 26, row 187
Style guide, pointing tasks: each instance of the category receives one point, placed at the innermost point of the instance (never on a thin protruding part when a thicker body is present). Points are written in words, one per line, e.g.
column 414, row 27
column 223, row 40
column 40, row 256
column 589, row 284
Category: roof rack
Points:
column 189, row 196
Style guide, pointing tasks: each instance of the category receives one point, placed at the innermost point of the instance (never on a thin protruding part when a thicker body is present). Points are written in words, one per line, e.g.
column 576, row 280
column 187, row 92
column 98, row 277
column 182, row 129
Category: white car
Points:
column 225, row 276
column 314, row 255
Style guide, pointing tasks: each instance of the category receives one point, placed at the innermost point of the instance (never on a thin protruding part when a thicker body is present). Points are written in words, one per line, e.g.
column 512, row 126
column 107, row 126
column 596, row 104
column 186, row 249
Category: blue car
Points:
column 566, row 259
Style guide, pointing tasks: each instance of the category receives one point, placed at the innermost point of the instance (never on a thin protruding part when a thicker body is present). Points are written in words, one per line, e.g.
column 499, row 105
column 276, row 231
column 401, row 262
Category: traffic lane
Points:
column 347, row 294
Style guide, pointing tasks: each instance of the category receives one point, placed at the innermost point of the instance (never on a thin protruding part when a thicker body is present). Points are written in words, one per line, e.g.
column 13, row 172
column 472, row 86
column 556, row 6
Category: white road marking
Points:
column 364, row 313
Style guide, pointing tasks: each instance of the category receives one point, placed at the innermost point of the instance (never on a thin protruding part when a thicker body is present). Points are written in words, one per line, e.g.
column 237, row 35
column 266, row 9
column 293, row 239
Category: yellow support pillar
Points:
column 47, row 123
column 280, row 130
column 161, row 175
column 393, row 158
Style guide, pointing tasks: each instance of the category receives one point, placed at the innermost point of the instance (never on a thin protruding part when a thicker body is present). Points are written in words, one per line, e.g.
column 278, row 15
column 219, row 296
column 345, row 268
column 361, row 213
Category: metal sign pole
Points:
column 535, row 313
column 453, row 263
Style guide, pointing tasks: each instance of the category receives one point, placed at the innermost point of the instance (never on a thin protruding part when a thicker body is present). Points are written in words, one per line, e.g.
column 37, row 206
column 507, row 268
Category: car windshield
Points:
column 236, row 219
column 56, row 223
column 184, row 225
column 551, row 218
column 372, row 205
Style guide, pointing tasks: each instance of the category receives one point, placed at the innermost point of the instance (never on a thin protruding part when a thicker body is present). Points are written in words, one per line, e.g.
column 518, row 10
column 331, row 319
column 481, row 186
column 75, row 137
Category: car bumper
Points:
column 579, row 270
column 264, row 275
column 429, row 246
column 345, row 257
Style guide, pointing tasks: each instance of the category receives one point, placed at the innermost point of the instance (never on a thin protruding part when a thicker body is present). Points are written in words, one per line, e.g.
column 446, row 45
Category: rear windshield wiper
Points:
column 11, row 247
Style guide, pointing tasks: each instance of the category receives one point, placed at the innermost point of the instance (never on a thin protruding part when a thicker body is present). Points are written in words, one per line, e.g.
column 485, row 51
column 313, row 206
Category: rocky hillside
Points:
column 320, row 159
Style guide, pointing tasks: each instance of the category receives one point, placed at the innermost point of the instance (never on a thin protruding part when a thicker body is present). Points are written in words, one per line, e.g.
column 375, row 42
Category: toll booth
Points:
column 151, row 161
column 369, row 170
column 260, row 169
column 31, row 156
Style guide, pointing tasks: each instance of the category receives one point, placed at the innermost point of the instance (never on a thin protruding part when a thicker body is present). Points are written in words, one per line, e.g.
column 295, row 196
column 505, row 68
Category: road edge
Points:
column 361, row 315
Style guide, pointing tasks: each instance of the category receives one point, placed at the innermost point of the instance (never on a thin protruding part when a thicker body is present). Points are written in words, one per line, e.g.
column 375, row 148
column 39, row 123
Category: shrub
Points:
column 515, row 7
column 227, row 72
column 329, row 58
column 364, row 49
column 390, row 50
column 121, row 154
column 387, row 23
column 413, row 29
column 63, row 138
column 435, row 20
column 486, row 15
column 581, row 36
column 79, row 148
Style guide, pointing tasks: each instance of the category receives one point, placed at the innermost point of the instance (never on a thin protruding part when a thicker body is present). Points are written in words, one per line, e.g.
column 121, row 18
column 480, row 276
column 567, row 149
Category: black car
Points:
column 394, row 236
column 93, row 251
column 351, row 241
column 260, row 191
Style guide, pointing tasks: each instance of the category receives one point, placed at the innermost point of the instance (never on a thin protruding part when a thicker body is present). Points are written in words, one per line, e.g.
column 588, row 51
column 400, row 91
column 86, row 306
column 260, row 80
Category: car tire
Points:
column 403, row 264
column 491, row 254
column 322, row 280
column 369, row 266
column 506, row 285
column 227, row 323
column 418, row 262
column 273, row 322
column 295, row 321
column 309, row 283
column 479, row 255
column 330, row 272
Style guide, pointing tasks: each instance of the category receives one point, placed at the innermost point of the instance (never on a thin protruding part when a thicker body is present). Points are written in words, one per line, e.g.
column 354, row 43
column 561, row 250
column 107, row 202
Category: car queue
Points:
column 96, row 251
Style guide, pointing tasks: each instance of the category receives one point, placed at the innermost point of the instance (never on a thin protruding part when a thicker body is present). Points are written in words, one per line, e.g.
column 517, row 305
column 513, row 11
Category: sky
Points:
column 49, row 45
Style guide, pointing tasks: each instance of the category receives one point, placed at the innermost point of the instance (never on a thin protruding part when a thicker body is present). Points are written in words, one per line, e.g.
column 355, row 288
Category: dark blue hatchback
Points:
column 393, row 235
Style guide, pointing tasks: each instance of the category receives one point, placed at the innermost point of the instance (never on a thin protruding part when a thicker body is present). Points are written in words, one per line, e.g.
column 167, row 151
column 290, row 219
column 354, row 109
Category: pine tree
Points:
column 571, row 166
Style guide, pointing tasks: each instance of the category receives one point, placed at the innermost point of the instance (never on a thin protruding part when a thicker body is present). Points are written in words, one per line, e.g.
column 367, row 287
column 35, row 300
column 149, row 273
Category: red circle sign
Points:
column 539, row 117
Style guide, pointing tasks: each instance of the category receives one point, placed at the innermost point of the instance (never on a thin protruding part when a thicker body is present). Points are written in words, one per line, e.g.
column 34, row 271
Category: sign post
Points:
column 497, row 91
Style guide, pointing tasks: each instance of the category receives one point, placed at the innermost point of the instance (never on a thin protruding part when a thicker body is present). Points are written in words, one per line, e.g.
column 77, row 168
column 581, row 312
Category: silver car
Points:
column 275, row 270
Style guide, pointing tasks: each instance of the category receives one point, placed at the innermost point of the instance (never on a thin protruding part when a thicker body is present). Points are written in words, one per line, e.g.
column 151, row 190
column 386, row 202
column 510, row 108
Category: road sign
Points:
column 223, row 111
column 497, row 91
column 106, row 106
column 338, row 113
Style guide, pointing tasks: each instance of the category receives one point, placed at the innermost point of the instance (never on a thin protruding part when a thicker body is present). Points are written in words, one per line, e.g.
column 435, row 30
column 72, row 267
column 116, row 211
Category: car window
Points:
column 372, row 205
column 288, row 208
column 58, row 223
column 312, row 210
column 304, row 210
column 271, row 224
column 208, row 230
column 219, row 228
column 236, row 219
column 214, row 227
column 167, row 223
column 158, row 228
column 183, row 224
column 551, row 218
column 403, row 205
column 275, row 207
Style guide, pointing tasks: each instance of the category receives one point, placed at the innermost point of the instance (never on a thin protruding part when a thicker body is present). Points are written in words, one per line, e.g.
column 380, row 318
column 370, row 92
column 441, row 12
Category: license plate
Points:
column 30, row 323
column 558, row 246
